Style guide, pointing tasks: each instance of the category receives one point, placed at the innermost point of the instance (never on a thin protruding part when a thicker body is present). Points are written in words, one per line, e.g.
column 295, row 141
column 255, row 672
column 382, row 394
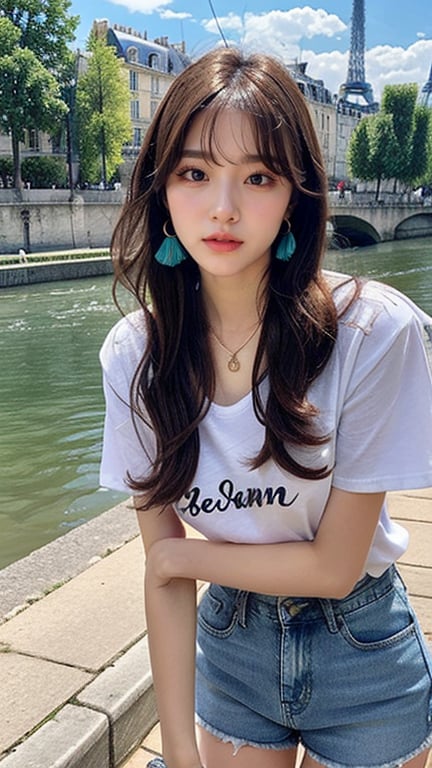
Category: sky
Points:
column 398, row 32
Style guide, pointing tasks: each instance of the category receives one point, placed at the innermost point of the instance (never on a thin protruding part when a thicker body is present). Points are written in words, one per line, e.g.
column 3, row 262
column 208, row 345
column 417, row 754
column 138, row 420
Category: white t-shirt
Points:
column 374, row 399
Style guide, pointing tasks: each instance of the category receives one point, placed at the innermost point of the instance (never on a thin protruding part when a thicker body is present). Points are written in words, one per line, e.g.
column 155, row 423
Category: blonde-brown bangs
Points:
column 272, row 137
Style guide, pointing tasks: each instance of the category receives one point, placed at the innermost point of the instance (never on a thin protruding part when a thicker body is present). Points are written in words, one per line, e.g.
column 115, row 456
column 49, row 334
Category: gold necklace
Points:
column 234, row 363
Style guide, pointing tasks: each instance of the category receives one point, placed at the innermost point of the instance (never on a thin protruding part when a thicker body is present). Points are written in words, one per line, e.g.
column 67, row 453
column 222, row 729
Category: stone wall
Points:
column 44, row 220
column 27, row 274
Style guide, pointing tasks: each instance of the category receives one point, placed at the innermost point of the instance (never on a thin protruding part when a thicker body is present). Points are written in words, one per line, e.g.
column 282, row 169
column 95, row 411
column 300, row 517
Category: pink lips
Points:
column 222, row 242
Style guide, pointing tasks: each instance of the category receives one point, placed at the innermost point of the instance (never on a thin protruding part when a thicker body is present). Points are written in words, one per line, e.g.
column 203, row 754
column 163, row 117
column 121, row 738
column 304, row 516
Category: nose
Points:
column 224, row 206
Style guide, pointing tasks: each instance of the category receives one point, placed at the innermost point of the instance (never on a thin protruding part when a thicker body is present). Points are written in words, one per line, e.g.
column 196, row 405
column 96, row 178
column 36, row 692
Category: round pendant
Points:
column 233, row 364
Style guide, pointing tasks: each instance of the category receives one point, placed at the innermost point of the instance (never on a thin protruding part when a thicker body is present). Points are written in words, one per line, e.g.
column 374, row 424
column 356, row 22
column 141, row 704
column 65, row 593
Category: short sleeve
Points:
column 384, row 434
column 124, row 450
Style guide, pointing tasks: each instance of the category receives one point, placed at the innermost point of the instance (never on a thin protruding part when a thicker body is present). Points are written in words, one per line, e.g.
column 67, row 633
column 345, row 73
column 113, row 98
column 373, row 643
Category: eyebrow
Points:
column 202, row 155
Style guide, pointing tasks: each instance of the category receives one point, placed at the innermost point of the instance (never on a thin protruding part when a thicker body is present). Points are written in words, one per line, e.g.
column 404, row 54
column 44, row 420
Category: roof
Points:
column 157, row 55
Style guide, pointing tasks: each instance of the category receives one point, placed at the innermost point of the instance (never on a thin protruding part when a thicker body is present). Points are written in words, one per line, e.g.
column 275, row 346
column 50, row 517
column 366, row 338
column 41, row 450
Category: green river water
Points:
column 51, row 411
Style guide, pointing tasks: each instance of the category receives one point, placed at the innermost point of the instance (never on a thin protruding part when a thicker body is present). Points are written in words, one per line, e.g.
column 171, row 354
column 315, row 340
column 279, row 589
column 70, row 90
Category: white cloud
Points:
column 173, row 15
column 386, row 65
column 232, row 22
column 330, row 67
column 142, row 6
column 283, row 27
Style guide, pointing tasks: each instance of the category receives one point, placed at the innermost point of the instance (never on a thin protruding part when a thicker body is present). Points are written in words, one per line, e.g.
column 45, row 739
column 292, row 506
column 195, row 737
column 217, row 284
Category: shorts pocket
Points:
column 383, row 622
column 218, row 611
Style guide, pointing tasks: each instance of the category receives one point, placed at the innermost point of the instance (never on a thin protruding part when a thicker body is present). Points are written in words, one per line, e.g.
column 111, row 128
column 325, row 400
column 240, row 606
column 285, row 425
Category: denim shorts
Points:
column 350, row 680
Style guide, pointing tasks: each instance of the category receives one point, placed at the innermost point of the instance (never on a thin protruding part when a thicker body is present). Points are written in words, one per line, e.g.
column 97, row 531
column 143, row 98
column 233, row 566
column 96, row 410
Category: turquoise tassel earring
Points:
column 286, row 245
column 171, row 252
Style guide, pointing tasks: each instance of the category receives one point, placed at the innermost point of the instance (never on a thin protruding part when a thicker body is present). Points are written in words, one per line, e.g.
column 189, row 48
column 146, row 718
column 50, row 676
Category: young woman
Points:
column 270, row 406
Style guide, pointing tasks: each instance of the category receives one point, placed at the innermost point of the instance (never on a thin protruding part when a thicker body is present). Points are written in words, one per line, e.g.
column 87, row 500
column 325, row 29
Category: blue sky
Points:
column 398, row 34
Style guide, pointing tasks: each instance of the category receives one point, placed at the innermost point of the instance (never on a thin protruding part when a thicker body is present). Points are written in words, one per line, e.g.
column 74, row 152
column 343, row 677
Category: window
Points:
column 133, row 80
column 134, row 110
column 33, row 140
column 132, row 54
column 155, row 84
column 153, row 107
column 137, row 138
column 153, row 61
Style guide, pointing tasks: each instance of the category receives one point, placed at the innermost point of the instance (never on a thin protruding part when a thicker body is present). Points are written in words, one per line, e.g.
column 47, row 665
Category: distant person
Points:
column 271, row 406
column 341, row 189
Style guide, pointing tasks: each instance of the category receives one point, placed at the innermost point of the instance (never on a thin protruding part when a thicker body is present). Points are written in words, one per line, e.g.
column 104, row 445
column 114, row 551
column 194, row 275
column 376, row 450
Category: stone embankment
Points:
column 26, row 269
column 39, row 219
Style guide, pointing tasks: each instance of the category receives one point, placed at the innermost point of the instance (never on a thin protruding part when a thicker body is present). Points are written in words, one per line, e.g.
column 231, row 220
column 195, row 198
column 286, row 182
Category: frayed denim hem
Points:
column 392, row 764
column 239, row 743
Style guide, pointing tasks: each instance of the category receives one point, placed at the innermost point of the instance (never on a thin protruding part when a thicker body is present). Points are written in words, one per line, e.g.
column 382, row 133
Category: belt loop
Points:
column 329, row 614
column 241, row 605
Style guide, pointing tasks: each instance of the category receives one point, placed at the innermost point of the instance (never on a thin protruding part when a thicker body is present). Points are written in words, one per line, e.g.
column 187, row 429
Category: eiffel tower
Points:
column 356, row 91
column 425, row 98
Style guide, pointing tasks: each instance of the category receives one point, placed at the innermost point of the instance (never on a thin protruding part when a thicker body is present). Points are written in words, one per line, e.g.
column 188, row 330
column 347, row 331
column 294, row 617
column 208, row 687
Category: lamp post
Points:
column 70, row 136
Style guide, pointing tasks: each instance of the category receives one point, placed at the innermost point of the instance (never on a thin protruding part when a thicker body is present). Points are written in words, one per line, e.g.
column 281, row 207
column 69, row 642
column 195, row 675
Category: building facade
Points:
column 151, row 67
column 323, row 112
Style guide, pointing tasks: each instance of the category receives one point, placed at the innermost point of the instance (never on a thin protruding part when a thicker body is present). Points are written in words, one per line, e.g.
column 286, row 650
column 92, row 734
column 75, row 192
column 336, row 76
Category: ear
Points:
column 162, row 199
column 292, row 203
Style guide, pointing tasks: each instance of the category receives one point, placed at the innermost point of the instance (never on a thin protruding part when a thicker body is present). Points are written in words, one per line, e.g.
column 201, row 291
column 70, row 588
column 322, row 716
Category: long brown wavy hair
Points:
column 175, row 382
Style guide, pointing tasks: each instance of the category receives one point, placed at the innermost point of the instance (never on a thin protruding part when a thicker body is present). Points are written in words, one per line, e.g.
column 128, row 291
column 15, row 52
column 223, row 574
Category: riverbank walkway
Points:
column 76, row 689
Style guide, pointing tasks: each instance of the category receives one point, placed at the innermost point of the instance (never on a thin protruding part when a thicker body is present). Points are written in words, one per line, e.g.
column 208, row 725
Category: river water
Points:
column 52, row 404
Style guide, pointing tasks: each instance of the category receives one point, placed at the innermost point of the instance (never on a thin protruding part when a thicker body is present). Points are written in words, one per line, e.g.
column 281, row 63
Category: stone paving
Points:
column 76, row 689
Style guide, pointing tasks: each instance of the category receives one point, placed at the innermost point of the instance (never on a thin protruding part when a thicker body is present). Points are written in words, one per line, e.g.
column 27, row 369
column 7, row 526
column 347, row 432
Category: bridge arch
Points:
column 417, row 225
column 349, row 231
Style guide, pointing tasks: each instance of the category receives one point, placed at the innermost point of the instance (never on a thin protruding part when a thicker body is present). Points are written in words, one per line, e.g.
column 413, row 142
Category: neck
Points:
column 232, row 307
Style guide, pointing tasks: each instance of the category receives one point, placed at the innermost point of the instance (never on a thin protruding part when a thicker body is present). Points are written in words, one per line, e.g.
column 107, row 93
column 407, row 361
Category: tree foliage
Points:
column 45, row 172
column 421, row 144
column 359, row 152
column 45, row 27
column 394, row 143
column 383, row 148
column 6, row 170
column 35, row 58
column 399, row 101
column 104, row 122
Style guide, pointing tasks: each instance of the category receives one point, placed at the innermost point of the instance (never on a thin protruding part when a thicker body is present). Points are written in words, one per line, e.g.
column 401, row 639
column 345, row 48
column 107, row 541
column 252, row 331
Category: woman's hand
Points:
column 163, row 561
column 158, row 571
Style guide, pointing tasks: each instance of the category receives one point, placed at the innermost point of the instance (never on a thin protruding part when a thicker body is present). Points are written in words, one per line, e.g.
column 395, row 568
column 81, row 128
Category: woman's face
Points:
column 226, row 213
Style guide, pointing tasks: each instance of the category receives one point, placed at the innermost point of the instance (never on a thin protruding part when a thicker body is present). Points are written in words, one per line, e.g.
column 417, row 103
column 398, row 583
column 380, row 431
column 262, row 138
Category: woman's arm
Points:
column 328, row 567
column 171, row 621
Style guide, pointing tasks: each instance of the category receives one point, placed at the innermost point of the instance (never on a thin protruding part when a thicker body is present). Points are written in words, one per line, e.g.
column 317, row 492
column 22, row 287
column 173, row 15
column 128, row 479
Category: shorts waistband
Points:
column 367, row 590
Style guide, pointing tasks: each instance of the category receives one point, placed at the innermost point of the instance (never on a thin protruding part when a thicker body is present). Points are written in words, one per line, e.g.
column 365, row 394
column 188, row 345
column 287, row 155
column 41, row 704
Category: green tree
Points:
column 383, row 148
column 44, row 172
column 394, row 144
column 427, row 180
column 46, row 28
column 359, row 152
column 34, row 37
column 29, row 94
column 6, row 170
column 399, row 101
column 420, row 144
column 104, row 123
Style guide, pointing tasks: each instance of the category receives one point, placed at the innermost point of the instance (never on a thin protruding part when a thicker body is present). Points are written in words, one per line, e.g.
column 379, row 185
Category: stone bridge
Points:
column 358, row 222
